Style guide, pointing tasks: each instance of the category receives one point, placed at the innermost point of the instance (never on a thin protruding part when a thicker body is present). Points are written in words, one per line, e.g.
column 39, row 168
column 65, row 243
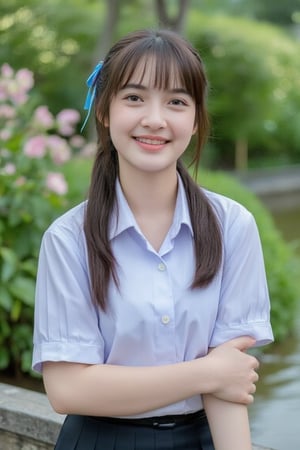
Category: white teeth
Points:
column 150, row 141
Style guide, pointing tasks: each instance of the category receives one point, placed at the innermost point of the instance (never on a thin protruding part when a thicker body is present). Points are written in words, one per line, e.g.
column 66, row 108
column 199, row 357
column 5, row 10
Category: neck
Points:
column 150, row 192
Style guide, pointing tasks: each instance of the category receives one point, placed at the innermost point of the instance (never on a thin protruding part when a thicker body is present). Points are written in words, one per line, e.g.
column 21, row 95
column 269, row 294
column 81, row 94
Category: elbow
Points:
column 58, row 401
column 65, row 387
column 58, row 388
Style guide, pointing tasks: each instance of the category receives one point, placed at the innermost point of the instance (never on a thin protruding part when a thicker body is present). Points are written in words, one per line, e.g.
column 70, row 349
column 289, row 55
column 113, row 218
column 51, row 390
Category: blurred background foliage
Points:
column 247, row 59
column 251, row 51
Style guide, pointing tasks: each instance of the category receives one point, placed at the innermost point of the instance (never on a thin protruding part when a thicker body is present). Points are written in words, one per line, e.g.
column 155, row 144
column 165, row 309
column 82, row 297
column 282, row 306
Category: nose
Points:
column 154, row 116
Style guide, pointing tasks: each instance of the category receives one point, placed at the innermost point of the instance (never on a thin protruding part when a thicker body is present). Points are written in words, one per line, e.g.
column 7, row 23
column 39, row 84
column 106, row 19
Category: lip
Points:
column 151, row 143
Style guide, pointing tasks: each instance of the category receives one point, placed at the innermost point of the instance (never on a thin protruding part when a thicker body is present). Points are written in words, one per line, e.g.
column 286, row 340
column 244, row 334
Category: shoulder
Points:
column 237, row 224
column 228, row 211
column 69, row 226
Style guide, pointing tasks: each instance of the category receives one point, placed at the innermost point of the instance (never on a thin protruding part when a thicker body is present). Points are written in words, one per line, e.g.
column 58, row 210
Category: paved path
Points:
column 278, row 188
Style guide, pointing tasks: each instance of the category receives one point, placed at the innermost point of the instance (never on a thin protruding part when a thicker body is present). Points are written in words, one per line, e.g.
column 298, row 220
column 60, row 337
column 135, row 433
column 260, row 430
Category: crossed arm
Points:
column 225, row 377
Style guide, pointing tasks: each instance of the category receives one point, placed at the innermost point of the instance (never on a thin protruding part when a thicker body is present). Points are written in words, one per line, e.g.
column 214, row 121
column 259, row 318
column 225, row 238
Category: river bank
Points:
column 278, row 188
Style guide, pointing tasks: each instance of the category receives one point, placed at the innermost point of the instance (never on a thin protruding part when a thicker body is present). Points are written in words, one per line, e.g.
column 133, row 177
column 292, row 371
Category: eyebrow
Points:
column 144, row 88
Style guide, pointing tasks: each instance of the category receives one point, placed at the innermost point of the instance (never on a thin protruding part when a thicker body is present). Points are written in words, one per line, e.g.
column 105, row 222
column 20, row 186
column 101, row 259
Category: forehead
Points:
column 154, row 73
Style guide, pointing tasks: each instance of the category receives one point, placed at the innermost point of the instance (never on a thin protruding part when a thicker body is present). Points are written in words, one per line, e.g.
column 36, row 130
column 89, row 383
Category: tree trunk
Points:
column 175, row 23
column 241, row 154
column 106, row 38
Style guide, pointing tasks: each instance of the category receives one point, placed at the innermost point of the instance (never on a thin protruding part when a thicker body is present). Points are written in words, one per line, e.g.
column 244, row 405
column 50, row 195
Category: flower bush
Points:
column 34, row 146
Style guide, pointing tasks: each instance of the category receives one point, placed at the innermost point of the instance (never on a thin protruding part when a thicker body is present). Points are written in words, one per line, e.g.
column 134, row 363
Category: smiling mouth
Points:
column 151, row 141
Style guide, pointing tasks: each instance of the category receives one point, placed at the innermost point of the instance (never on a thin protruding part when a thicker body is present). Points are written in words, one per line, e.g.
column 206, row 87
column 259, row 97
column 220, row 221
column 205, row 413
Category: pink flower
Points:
column 24, row 78
column 6, row 71
column 5, row 134
column 35, row 147
column 89, row 150
column 6, row 79
column 16, row 93
column 9, row 169
column 7, row 111
column 56, row 182
column 59, row 149
column 66, row 121
column 43, row 117
column 77, row 141
column 15, row 88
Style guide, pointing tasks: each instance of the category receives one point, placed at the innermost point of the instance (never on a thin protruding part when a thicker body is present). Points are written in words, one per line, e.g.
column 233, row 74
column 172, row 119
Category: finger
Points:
column 242, row 343
column 250, row 399
column 255, row 377
column 256, row 363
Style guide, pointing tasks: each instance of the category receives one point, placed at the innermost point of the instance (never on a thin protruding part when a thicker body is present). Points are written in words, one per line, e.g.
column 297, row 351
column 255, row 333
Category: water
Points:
column 275, row 414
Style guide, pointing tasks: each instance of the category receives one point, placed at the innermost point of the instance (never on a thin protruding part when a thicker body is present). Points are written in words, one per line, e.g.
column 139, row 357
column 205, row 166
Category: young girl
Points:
column 149, row 293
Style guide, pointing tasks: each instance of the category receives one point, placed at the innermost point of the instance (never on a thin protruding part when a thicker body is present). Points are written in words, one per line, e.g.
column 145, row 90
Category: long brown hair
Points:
column 173, row 56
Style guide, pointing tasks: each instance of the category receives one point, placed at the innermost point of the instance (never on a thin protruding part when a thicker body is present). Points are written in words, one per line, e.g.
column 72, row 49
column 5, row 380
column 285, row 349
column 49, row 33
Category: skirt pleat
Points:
column 205, row 437
column 125, row 438
column 69, row 433
column 164, row 439
column 89, row 434
column 107, row 433
column 144, row 438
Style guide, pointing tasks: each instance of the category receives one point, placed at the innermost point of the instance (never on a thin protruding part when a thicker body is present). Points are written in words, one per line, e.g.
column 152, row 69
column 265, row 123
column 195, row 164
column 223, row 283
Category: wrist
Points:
column 205, row 375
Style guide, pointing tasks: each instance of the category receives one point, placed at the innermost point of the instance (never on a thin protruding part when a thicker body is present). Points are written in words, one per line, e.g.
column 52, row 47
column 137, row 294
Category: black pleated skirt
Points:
column 88, row 433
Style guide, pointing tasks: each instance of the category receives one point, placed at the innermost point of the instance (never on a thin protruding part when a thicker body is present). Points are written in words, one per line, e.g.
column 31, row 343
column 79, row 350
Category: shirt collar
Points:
column 122, row 217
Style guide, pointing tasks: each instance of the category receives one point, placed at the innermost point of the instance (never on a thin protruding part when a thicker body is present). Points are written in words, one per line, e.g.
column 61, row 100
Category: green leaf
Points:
column 23, row 289
column 9, row 263
column 16, row 310
column 4, row 358
column 5, row 330
column 26, row 360
column 5, row 299
column 29, row 266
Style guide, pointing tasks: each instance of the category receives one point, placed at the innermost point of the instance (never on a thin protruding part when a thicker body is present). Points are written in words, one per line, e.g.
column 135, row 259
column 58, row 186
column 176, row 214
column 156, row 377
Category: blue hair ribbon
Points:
column 91, row 84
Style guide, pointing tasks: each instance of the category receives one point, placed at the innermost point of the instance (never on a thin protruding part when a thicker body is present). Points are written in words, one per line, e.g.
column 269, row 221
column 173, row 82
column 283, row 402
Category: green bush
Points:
column 282, row 265
column 34, row 145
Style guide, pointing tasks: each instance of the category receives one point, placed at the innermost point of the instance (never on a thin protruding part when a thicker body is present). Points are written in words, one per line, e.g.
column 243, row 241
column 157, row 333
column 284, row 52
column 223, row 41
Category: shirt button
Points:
column 165, row 319
column 161, row 267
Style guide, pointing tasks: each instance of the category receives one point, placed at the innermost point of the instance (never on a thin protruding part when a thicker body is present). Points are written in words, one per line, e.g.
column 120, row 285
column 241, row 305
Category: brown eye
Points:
column 133, row 98
column 178, row 102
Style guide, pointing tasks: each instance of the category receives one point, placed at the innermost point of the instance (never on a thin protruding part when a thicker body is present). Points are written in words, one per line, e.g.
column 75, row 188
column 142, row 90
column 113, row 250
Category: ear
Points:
column 195, row 129
column 104, row 121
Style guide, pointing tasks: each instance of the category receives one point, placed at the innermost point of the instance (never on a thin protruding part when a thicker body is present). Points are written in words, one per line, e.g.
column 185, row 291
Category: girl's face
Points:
column 150, row 127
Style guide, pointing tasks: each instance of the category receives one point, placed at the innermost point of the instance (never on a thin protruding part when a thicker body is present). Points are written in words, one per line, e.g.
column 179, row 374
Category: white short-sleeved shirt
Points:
column 154, row 317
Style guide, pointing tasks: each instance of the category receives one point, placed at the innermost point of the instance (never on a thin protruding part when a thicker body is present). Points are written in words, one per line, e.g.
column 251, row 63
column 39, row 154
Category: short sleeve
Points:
column 244, row 305
column 66, row 321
